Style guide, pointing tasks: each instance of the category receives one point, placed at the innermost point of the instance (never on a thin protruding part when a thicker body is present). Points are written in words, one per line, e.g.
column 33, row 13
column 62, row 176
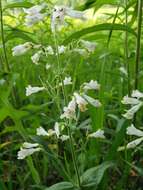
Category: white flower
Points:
column 98, row 134
column 137, row 94
column 66, row 81
column 94, row 102
column 123, row 70
column 69, row 111
column 134, row 131
column 81, row 102
column 49, row 50
column 57, row 129
column 36, row 57
column 91, row 85
column 33, row 10
column 61, row 49
column 34, row 15
column 48, row 66
column 59, row 13
column 29, row 145
column 90, row 46
column 2, row 81
column 80, row 51
column 21, row 49
column 134, row 143
column 130, row 113
column 30, row 90
column 129, row 100
column 64, row 137
column 28, row 149
column 42, row 132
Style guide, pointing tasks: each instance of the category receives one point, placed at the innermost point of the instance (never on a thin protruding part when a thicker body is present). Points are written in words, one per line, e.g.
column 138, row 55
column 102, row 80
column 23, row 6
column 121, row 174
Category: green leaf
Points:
column 97, row 28
column 62, row 186
column 18, row 5
column 34, row 172
column 3, row 114
column 93, row 176
column 16, row 33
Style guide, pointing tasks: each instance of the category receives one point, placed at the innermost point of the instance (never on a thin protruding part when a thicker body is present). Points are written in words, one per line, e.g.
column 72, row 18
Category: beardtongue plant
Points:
column 61, row 139
column 67, row 124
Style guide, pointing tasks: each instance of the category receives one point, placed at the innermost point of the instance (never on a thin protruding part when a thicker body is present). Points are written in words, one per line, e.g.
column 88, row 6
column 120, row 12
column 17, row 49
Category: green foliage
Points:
column 82, row 161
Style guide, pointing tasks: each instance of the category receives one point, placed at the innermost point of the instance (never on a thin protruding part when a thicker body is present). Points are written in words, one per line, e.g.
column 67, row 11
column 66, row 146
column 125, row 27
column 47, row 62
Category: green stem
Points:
column 138, row 46
column 6, row 64
column 126, row 48
column 74, row 157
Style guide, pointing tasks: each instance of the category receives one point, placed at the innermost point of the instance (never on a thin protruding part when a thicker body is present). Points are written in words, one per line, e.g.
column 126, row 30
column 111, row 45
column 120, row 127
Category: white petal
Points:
column 128, row 100
column 134, row 143
column 42, row 132
column 98, row 134
column 94, row 102
column 30, row 90
column 81, row 102
column 64, row 137
column 137, row 94
column 134, row 131
column 57, row 129
column 29, row 145
column 26, row 152
column 130, row 113
column 91, row 85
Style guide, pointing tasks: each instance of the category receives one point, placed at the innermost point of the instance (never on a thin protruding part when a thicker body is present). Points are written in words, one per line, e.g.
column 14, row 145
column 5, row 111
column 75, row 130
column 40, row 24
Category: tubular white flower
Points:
column 91, row 85
column 69, row 111
column 134, row 131
column 23, row 153
column 59, row 13
column 98, row 134
column 129, row 100
column 41, row 132
column 81, row 102
column 33, row 10
column 34, row 15
column 80, row 51
column 27, row 149
column 31, row 90
column 61, row 49
column 57, row 129
column 134, row 143
column 29, row 145
column 130, row 113
column 36, row 57
column 67, row 81
column 137, row 94
column 123, row 70
column 21, row 49
column 94, row 102
column 64, row 137
column 48, row 66
column 74, row 13
column 90, row 46
column 49, row 50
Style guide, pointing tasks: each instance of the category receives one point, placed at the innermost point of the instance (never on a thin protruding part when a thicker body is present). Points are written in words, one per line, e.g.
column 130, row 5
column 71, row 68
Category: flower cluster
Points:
column 56, row 131
column 133, row 131
column 60, row 12
column 135, row 102
column 81, row 101
column 34, row 15
column 28, row 149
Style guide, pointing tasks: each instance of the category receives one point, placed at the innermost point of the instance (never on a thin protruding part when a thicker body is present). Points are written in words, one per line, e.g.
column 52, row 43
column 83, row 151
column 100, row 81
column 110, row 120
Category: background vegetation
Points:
column 116, row 28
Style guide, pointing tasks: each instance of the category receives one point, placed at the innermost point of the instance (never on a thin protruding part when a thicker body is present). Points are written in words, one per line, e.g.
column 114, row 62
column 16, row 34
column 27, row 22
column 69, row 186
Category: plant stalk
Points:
column 6, row 63
column 126, row 48
column 138, row 43
column 74, row 157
